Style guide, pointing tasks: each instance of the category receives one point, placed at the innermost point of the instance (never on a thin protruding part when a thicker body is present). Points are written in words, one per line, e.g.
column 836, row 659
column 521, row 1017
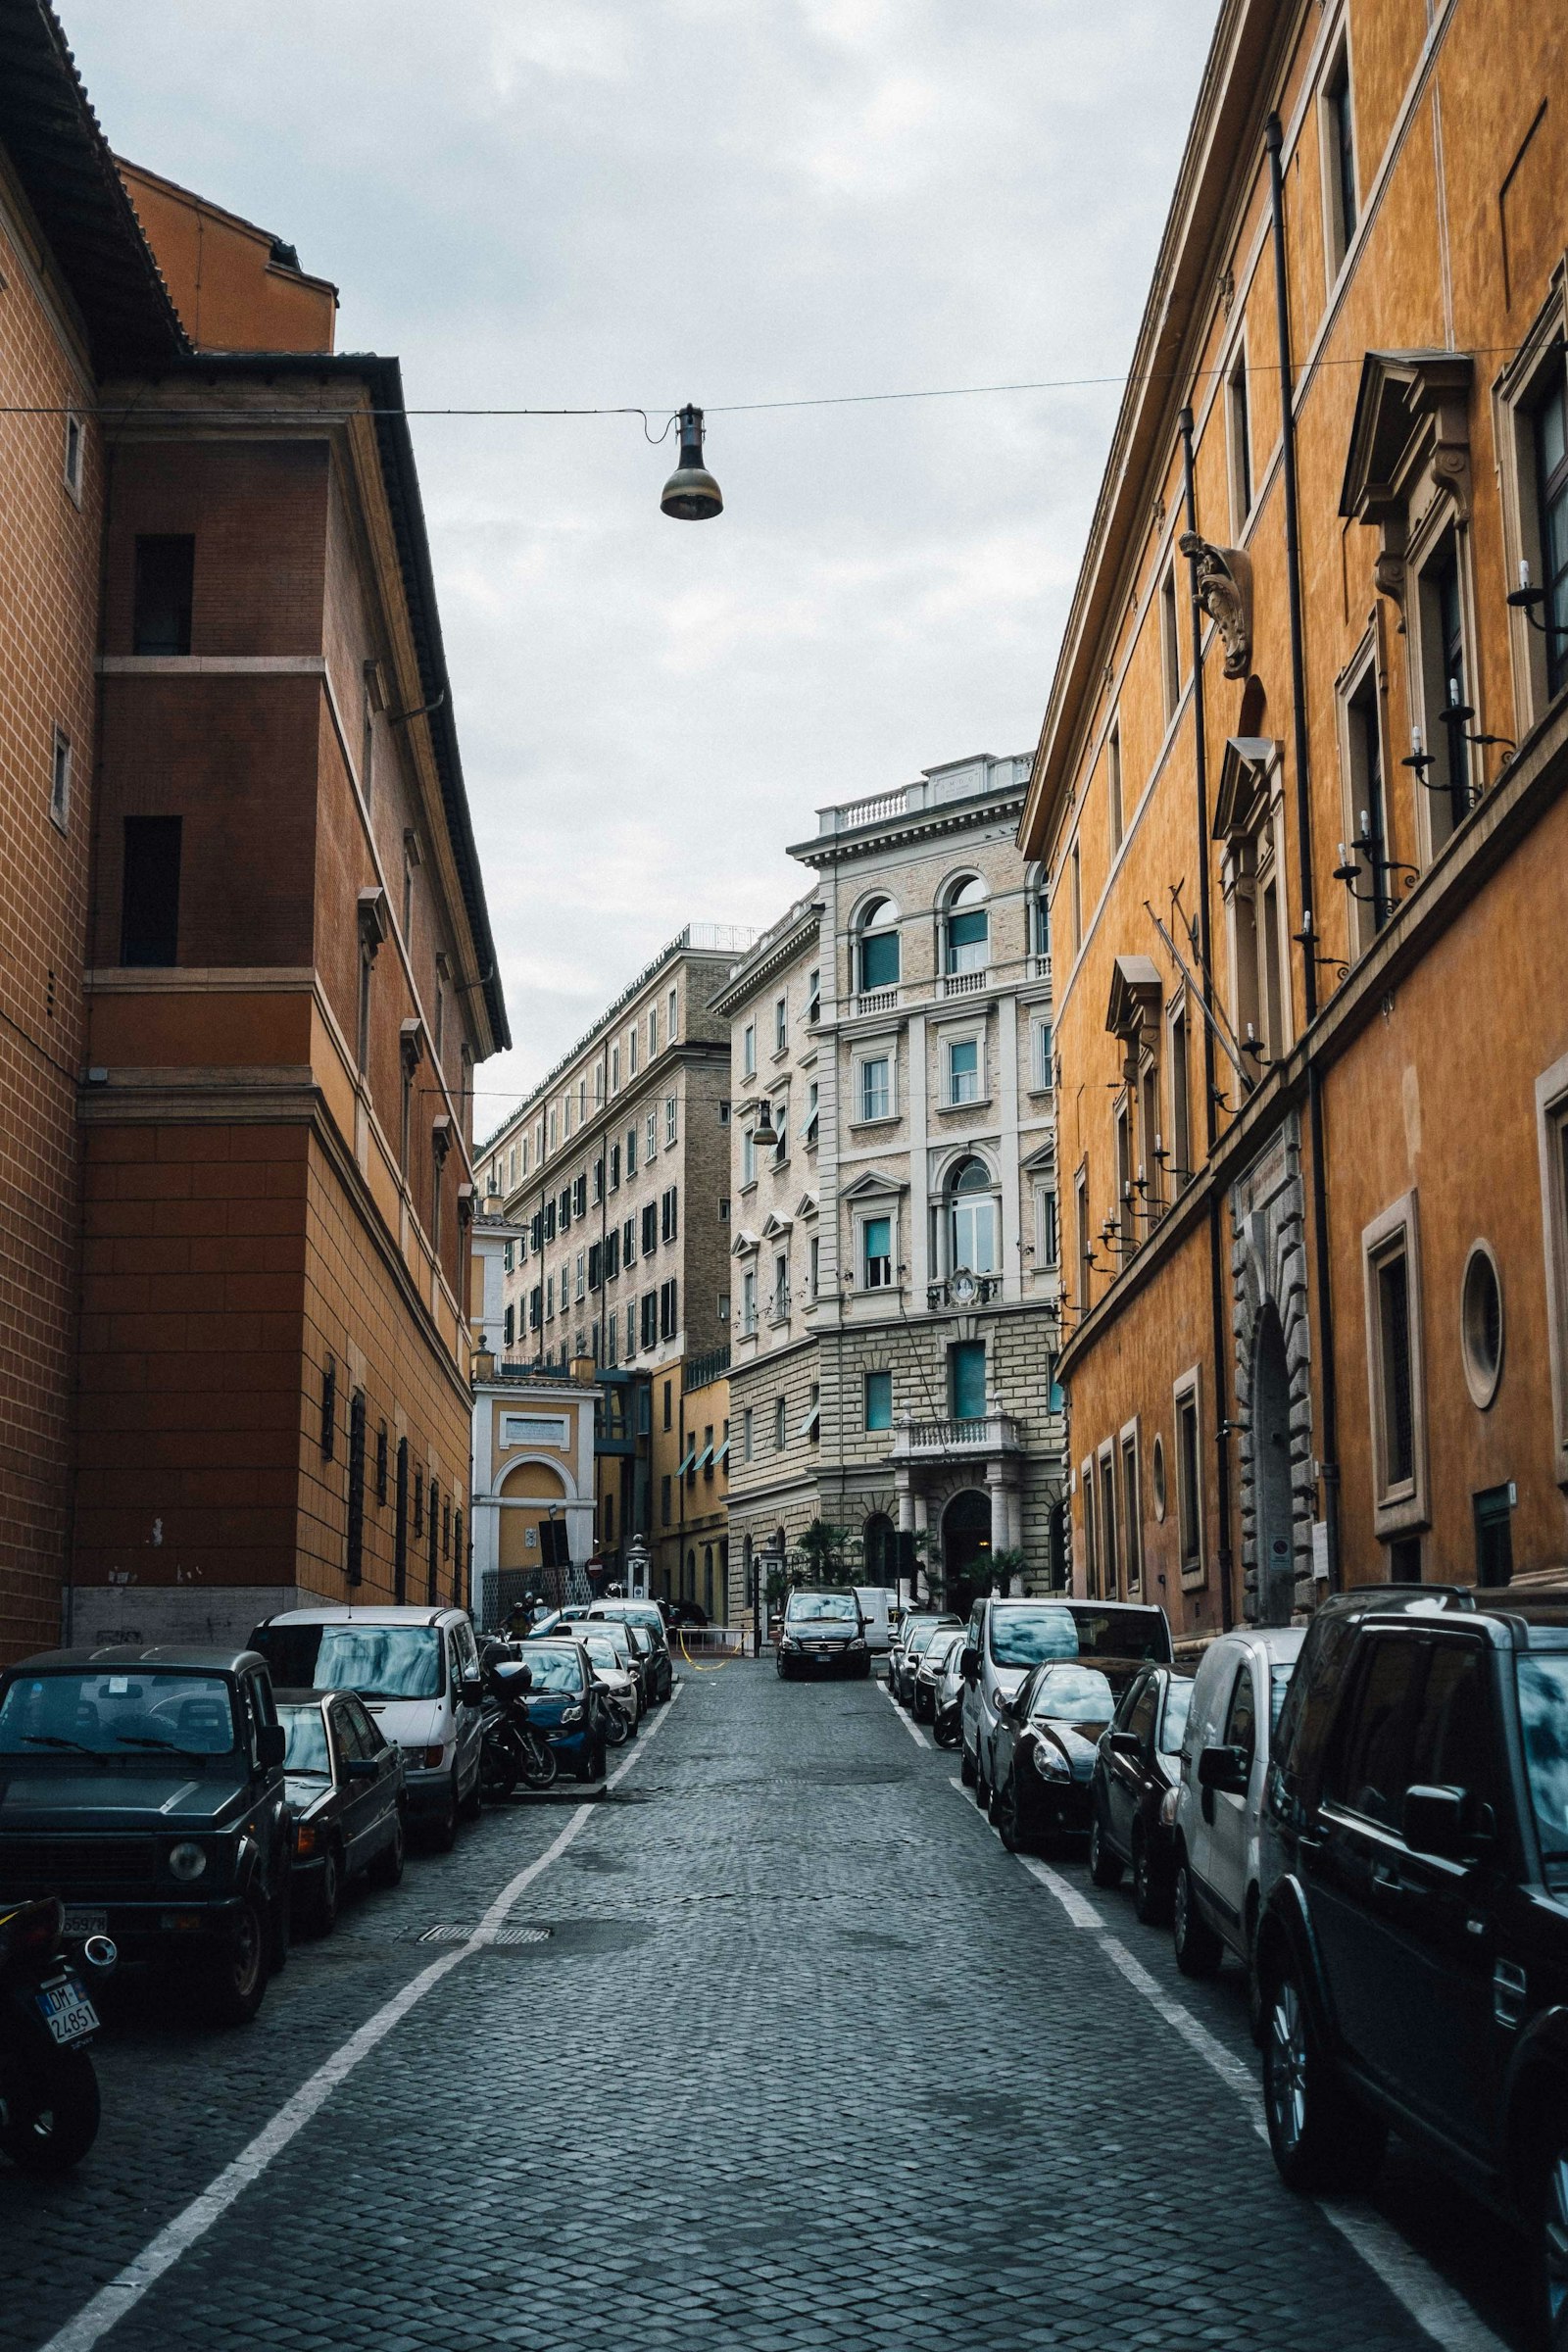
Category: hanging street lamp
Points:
column 691, row 494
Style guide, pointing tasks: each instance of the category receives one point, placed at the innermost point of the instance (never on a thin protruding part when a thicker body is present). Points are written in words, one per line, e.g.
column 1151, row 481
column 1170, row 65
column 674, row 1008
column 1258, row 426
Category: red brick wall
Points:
column 48, row 600
column 256, row 509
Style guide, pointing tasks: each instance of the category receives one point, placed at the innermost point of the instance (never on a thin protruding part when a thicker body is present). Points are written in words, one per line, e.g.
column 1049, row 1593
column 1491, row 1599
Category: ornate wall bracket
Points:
column 1222, row 578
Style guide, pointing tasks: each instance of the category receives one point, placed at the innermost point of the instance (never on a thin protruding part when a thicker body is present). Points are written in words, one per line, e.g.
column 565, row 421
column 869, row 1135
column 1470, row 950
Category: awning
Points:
column 687, row 1463
column 807, row 1426
column 719, row 1452
column 704, row 1460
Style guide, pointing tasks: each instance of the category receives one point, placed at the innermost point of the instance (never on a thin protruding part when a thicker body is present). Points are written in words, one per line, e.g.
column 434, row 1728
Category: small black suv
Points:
column 1413, row 1951
column 144, row 1786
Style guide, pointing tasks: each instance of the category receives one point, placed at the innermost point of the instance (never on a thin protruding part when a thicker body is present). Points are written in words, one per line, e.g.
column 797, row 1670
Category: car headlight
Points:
column 857, row 1643
column 572, row 1715
column 788, row 1641
column 186, row 1861
column 1052, row 1764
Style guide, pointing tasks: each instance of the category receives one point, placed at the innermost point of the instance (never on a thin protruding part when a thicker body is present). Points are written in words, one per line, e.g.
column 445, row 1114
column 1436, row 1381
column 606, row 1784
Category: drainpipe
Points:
column 1273, row 139
column 1216, row 1238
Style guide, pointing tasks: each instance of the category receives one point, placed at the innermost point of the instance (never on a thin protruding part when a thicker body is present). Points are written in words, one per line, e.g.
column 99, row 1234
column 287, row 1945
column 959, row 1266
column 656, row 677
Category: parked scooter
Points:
column 512, row 1750
column 48, row 2089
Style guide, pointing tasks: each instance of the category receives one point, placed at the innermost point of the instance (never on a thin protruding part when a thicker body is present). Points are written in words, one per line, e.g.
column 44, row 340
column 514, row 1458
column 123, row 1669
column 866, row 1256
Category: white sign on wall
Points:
column 533, row 1429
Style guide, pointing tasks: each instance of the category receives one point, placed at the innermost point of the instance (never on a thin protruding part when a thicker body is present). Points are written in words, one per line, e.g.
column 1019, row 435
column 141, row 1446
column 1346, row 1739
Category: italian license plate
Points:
column 86, row 1923
column 66, row 2011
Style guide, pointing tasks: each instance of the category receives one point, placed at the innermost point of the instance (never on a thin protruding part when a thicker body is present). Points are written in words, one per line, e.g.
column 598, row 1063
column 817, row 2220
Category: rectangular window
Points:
column 669, row 1404
column 59, row 779
column 1550, row 422
column 631, row 1050
column 876, row 1253
column 748, row 1302
column 674, row 1024
column 1368, row 849
column 1086, row 1491
column 669, row 1121
column 149, row 904
column 631, row 1328
column 509, row 1328
column 1446, row 683
column 815, row 1262
column 1189, row 1482
column 1076, row 876
column 1337, row 126
column 1179, row 1161
column 1170, row 656
column 598, row 1188
column 670, row 1214
column 650, row 1227
column 614, row 1069
column 550, row 1298
column 879, row 962
column 879, row 1400
column 649, row 1319
column 615, row 1168
column 877, row 1091
column 1240, row 422
column 652, row 1031
column 1083, row 1238
column 595, row 1265
column 1042, row 1074
column 1132, row 1510
column 1047, row 1234
column 782, row 1288
column 628, row 1242
column 74, row 455
column 780, row 1425
column 749, row 1050
column 579, row 1196
column 535, row 1308
column 748, row 1434
column 748, row 1156
column 964, row 1070
column 650, row 1137
column 966, row 1380
column 631, row 1154
column 665, row 1510
column 781, row 1024
column 612, row 1254
column 1109, row 1533
column 1393, row 1368
column 166, row 568
column 1113, row 805
column 813, row 997
column 812, row 1426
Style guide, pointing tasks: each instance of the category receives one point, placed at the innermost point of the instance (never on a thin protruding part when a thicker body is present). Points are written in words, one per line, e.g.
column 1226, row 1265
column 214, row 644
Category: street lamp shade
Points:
column 764, row 1132
column 691, row 493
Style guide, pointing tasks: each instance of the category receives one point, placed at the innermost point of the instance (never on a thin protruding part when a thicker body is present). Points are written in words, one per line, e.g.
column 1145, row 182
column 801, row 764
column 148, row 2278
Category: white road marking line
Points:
column 1434, row 2306
column 127, row 2288
column 912, row 1728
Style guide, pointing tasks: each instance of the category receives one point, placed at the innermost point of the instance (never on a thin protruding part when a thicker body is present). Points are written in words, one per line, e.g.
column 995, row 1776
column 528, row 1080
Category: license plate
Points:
column 66, row 2011
column 86, row 1923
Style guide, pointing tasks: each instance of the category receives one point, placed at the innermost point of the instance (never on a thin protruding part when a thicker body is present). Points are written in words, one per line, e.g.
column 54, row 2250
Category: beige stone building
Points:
column 894, row 1215
column 614, row 1177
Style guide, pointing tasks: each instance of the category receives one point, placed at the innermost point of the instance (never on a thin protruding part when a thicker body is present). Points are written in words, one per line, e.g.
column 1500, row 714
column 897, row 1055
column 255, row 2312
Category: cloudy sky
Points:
column 586, row 203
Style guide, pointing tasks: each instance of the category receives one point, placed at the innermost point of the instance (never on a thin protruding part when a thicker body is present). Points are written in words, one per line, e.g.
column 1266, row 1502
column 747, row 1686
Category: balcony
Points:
column 980, row 1291
column 965, row 984
column 926, row 1440
column 1039, row 968
column 876, row 1000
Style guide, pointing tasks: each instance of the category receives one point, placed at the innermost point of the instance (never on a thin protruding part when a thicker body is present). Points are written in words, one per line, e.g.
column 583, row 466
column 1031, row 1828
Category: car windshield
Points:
column 1027, row 1636
column 1543, row 1718
column 554, row 1668
column 1072, row 1695
column 822, row 1608
column 1173, row 1724
column 634, row 1612
column 304, row 1741
column 115, row 1714
column 942, row 1643
column 380, row 1661
column 602, row 1652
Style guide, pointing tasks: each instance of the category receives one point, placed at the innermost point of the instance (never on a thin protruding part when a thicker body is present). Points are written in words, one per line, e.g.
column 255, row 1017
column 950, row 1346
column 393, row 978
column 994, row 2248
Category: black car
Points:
column 1139, row 1760
column 822, row 1632
column 1413, row 1950
column 145, row 1789
column 1044, row 1748
column 346, row 1794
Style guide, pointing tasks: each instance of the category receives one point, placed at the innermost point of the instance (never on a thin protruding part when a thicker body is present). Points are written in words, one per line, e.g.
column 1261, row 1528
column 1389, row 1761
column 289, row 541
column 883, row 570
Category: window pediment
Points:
column 744, row 1244
column 1245, row 787
column 874, row 1186
column 1412, row 423
column 1135, row 995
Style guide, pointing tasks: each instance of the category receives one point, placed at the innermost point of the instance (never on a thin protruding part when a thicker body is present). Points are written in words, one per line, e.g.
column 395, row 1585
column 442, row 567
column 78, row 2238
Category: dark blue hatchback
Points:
column 561, row 1705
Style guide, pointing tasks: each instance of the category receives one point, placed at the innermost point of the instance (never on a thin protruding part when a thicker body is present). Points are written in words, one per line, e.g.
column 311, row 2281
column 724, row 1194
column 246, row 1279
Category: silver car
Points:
column 929, row 1669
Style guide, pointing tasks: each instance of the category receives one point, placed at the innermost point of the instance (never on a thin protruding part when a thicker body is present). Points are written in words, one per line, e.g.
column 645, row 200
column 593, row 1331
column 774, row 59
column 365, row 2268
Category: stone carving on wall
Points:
column 1223, row 577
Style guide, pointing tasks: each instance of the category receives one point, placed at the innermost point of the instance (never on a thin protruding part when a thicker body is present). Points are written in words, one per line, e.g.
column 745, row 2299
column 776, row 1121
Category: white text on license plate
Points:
column 66, row 2011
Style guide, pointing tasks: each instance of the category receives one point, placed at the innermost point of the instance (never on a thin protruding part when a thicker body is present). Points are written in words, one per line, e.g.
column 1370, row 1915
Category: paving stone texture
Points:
column 805, row 2061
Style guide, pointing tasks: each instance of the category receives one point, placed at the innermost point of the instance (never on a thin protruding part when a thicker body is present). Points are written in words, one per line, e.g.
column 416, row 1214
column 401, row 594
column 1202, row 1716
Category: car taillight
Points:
column 39, row 1928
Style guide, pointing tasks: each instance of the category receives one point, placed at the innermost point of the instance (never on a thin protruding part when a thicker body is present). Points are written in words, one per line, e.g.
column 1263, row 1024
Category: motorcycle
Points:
column 510, row 1748
column 48, row 2089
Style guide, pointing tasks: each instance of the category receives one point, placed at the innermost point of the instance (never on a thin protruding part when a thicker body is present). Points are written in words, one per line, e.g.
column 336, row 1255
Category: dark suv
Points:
column 1413, row 1952
column 145, row 1789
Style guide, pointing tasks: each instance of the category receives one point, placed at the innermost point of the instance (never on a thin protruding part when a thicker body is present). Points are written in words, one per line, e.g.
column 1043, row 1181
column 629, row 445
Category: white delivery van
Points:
column 876, row 1607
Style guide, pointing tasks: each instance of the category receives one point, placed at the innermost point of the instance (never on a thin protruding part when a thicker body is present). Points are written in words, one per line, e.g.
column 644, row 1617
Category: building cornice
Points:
column 924, row 824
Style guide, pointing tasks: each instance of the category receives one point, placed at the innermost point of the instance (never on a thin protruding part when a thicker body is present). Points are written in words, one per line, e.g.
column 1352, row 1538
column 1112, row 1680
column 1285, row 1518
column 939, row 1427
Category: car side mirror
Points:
column 1225, row 1769
column 1126, row 1744
column 270, row 1743
column 1433, row 1822
column 360, row 1768
column 472, row 1692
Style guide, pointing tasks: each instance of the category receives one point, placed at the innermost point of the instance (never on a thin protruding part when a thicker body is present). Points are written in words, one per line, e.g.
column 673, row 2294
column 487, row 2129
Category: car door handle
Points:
column 1508, row 1993
column 1386, row 1878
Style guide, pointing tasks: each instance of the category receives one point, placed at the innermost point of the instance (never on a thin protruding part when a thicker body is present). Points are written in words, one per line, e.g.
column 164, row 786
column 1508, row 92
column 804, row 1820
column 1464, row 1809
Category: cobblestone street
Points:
column 802, row 2059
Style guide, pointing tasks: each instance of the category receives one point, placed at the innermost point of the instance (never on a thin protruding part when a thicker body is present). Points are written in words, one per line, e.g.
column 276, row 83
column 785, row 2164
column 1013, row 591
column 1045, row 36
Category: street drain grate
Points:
column 447, row 1933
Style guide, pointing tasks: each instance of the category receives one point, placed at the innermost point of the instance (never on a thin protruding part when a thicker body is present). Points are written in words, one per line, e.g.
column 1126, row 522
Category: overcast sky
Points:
column 597, row 202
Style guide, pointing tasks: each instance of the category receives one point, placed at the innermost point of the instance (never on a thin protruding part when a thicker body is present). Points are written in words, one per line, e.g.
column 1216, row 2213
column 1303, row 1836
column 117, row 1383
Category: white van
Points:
column 418, row 1671
column 876, row 1607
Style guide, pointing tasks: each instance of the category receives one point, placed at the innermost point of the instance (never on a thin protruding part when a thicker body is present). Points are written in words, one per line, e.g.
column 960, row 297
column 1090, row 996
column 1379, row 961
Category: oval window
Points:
column 1157, row 1468
column 1481, row 1324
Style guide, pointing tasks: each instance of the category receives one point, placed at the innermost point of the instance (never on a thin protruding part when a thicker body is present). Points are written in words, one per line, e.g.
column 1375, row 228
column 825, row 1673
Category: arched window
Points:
column 878, row 947
column 972, row 1236
column 880, row 1551
column 966, row 944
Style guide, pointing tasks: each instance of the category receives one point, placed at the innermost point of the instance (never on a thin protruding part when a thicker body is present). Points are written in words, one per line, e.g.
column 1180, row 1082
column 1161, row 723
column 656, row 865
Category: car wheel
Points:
column 982, row 1787
column 618, row 1729
column 443, row 1830
column 966, row 1767
column 472, row 1805
column 1322, row 2141
column 1151, row 1893
column 1009, row 1817
column 387, row 1868
column 1104, row 1867
column 237, row 1977
column 1549, row 2204
column 327, row 1897
column 785, row 1672
column 1198, row 1950
column 56, row 2123
column 592, row 1767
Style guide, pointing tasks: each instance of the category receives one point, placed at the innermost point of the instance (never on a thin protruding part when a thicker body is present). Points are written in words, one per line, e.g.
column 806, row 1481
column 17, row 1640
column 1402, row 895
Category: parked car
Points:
column 928, row 1671
column 345, row 1788
column 1413, row 1954
column 1136, row 1767
column 646, row 1613
column 822, row 1632
column 877, row 1606
column 1004, row 1639
column 144, row 1786
column 903, row 1659
column 618, row 1683
column 1215, row 1810
column 560, row 1704
column 947, row 1728
column 418, row 1672
column 679, row 1614
column 1043, row 1752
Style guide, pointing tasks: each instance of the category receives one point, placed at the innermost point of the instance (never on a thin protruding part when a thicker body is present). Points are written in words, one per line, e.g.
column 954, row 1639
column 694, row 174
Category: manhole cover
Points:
column 447, row 1933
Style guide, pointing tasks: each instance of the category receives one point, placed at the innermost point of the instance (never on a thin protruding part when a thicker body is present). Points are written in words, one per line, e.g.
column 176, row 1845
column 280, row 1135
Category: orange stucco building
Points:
column 1300, row 792
column 268, row 949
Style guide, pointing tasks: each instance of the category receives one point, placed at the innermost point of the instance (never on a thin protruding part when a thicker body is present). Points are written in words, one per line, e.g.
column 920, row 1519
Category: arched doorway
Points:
column 533, row 1548
column 1271, row 1470
column 966, row 1550
column 879, row 1550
